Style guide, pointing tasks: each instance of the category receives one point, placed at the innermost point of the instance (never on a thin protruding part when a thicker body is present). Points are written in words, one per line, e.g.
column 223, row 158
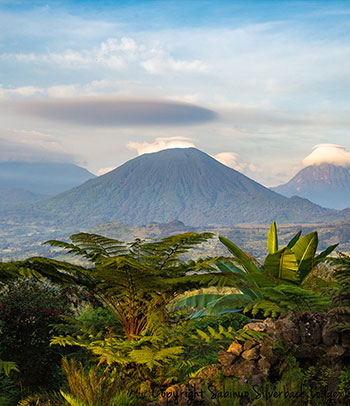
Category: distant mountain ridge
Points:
column 183, row 184
column 8, row 195
column 30, row 181
column 326, row 184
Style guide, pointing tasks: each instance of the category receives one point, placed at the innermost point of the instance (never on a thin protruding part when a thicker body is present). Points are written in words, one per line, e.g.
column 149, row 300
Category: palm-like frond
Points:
column 91, row 246
column 134, row 280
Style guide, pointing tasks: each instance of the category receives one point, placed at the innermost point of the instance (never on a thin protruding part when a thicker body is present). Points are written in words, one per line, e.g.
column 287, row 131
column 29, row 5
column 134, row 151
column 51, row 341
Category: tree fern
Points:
column 134, row 280
column 340, row 310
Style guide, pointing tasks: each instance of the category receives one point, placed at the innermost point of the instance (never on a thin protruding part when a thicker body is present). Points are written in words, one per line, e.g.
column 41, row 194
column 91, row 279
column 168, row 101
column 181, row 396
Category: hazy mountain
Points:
column 326, row 184
column 34, row 180
column 183, row 184
column 18, row 196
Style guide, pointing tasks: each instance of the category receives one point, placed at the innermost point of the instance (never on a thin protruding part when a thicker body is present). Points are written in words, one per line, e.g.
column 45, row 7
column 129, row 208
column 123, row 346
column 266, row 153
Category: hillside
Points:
column 183, row 184
column 326, row 184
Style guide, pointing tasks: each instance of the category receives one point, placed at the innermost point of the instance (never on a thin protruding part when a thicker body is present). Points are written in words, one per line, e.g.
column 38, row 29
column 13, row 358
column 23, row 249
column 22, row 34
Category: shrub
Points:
column 27, row 312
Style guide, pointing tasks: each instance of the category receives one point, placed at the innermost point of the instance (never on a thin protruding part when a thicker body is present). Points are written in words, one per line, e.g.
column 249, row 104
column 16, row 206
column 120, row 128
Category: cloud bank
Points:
column 116, row 112
column 328, row 153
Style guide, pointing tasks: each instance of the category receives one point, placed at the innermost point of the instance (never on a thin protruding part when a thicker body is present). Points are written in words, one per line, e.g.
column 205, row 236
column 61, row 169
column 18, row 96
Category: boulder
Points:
column 235, row 348
column 226, row 358
column 250, row 354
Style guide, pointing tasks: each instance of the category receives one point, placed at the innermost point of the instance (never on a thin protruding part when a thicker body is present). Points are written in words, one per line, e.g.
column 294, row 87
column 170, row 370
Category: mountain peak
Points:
column 183, row 184
column 326, row 184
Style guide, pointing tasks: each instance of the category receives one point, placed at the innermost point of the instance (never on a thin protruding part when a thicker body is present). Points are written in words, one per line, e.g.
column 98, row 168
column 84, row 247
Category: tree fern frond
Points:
column 7, row 367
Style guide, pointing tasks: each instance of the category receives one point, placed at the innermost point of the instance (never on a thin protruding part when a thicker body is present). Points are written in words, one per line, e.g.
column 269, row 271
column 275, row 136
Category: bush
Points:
column 27, row 312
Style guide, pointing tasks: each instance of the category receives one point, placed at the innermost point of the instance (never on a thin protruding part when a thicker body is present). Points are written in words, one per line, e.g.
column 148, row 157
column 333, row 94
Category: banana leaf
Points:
column 283, row 265
column 272, row 239
column 304, row 250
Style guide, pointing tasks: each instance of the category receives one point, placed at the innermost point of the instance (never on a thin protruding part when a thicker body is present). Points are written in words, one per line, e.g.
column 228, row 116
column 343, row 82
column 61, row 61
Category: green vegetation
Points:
column 104, row 328
column 272, row 288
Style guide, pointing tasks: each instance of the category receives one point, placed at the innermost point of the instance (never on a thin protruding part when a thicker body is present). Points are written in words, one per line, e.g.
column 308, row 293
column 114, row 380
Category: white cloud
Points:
column 103, row 171
column 62, row 91
column 230, row 159
column 233, row 160
column 31, row 146
column 21, row 91
column 160, row 144
column 163, row 63
column 116, row 54
column 328, row 153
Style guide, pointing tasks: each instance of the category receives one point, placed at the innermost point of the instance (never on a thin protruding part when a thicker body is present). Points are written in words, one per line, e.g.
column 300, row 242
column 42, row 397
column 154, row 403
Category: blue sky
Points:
column 258, row 84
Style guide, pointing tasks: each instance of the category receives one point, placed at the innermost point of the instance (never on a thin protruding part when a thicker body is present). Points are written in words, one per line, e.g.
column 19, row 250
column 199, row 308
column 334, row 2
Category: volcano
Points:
column 177, row 184
column 326, row 184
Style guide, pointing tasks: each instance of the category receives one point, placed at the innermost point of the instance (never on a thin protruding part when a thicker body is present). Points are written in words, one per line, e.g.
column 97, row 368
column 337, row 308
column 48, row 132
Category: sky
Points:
column 262, row 86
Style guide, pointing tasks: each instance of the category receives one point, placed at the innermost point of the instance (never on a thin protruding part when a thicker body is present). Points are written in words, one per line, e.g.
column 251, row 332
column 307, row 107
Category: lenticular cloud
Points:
column 328, row 153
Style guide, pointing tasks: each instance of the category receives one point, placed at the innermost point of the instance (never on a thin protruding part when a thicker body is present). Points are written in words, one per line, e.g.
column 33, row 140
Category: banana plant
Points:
column 258, row 284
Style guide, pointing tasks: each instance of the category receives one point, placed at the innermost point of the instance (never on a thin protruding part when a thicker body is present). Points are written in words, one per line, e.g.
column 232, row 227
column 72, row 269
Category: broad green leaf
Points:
column 201, row 300
column 240, row 256
column 226, row 267
column 200, row 313
column 272, row 239
column 304, row 250
column 294, row 239
column 323, row 255
column 228, row 303
column 283, row 265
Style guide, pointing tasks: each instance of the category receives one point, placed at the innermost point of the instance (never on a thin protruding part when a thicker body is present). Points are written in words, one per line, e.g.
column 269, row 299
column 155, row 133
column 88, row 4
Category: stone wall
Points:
column 312, row 338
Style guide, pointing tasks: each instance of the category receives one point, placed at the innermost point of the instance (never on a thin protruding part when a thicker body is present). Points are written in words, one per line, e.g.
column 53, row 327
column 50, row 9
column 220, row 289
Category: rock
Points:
column 307, row 336
column 268, row 351
column 195, row 383
column 305, row 350
column 264, row 365
column 270, row 327
column 345, row 339
column 176, row 395
column 250, row 354
column 255, row 326
column 229, row 370
column 244, row 369
column 249, row 344
column 329, row 335
column 336, row 351
column 288, row 329
column 235, row 348
column 226, row 358
column 310, row 327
